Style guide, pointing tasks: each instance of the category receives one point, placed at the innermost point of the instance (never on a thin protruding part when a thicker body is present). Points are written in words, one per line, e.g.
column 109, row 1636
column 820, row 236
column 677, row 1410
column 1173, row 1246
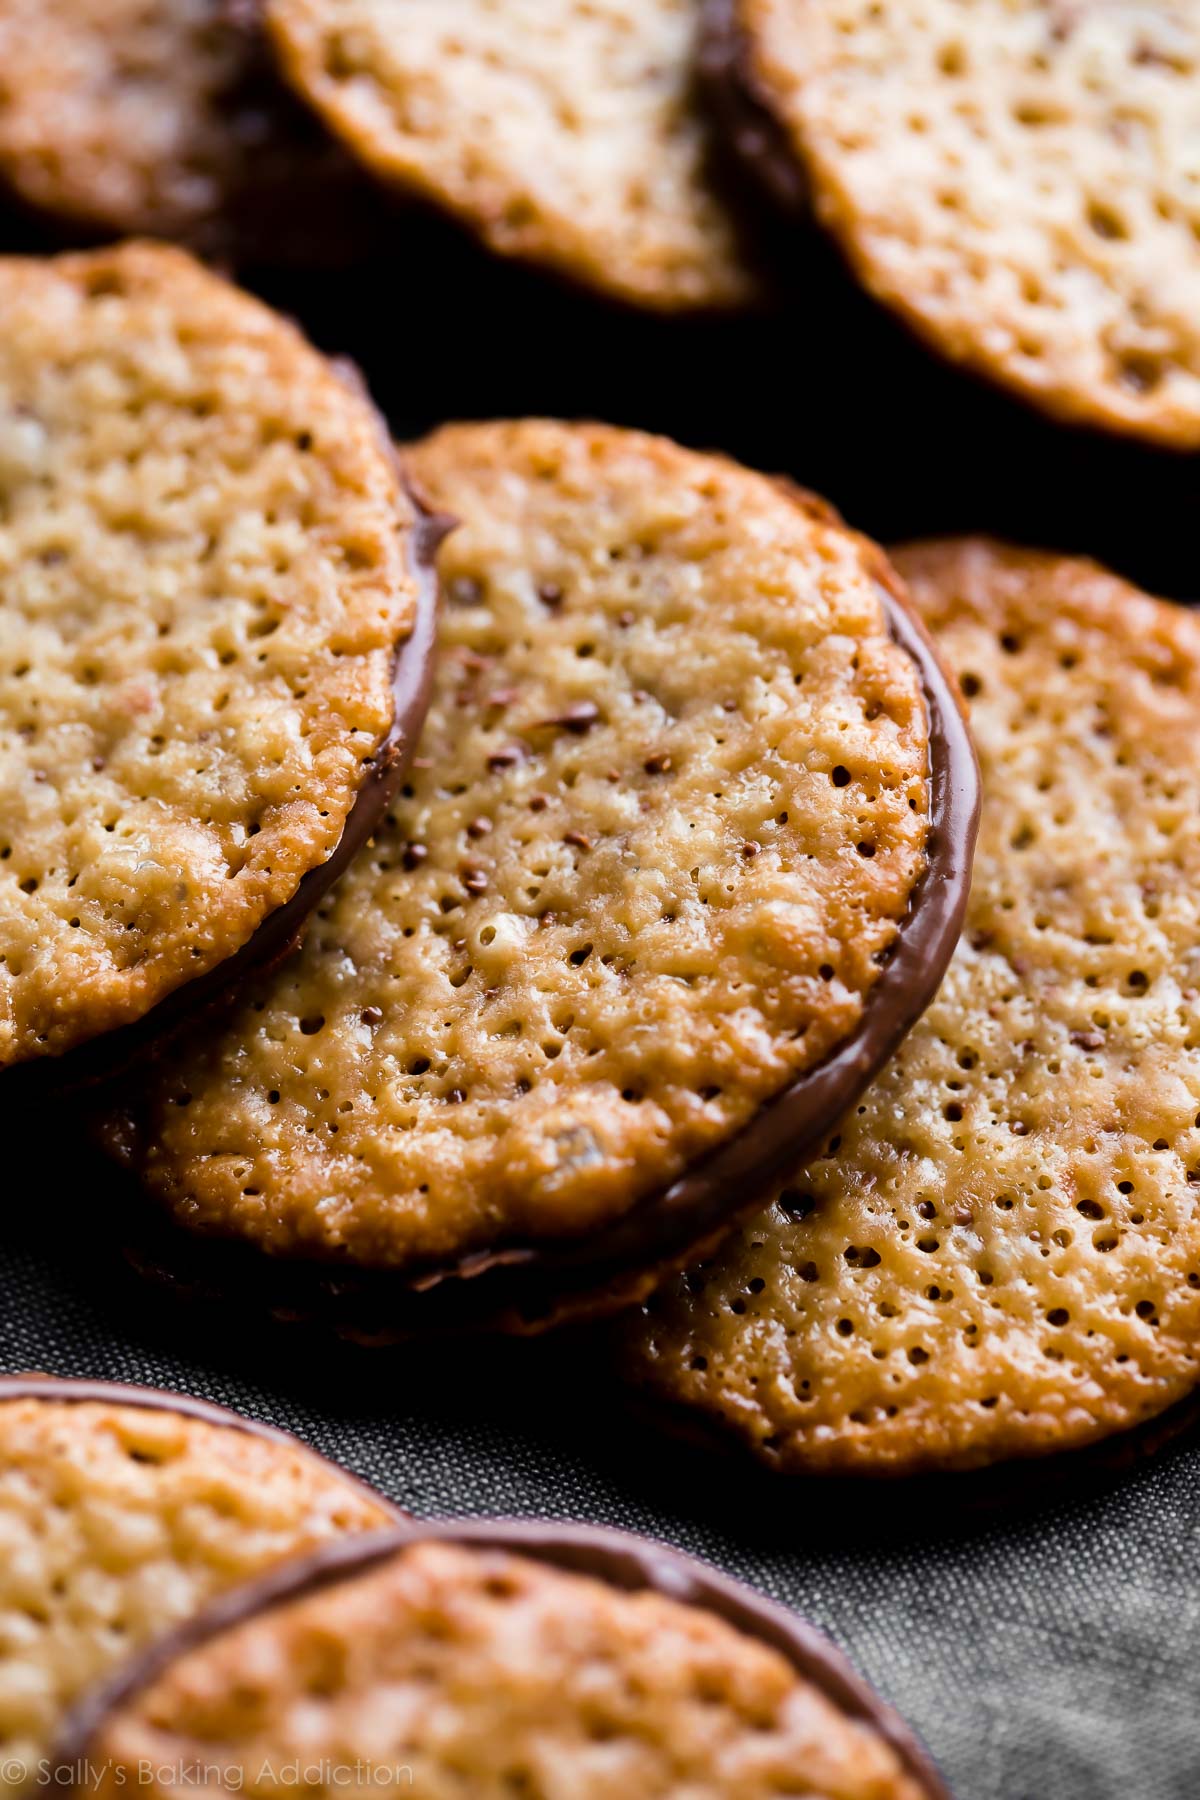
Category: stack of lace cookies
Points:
column 608, row 957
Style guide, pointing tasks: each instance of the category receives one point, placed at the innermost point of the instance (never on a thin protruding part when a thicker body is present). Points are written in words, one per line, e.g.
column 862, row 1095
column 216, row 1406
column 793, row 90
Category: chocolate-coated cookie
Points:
column 210, row 605
column 680, row 859
column 165, row 118
column 996, row 1252
column 1012, row 179
column 494, row 1660
column 564, row 132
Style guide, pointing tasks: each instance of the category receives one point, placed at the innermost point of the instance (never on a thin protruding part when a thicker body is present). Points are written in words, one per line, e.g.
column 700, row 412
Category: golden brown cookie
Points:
column 564, row 132
column 997, row 1252
column 207, row 562
column 680, row 859
column 1013, row 179
column 124, row 1510
column 164, row 118
column 495, row 1660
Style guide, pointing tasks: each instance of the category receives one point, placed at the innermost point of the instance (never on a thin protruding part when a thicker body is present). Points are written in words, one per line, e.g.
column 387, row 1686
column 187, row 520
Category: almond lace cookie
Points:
column 497, row 1660
column 164, row 117
column 686, row 836
column 205, row 556
column 997, row 1251
column 1014, row 179
column 122, row 1511
column 564, row 132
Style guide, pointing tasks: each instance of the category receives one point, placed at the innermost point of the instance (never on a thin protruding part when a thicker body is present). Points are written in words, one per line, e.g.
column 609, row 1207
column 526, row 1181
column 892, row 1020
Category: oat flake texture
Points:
column 1017, row 178
column 670, row 807
column 998, row 1252
column 203, row 581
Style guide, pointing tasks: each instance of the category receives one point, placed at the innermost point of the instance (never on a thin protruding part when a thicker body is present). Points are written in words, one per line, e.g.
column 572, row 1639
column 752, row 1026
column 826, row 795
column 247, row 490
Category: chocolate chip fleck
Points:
column 415, row 855
column 371, row 1015
column 579, row 717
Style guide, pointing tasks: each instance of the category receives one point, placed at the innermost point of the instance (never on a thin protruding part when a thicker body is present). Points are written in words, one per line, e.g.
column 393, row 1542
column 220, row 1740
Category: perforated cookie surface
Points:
column 670, row 806
column 203, row 581
column 486, row 1673
column 563, row 131
column 118, row 1521
column 153, row 116
column 999, row 1252
column 1017, row 180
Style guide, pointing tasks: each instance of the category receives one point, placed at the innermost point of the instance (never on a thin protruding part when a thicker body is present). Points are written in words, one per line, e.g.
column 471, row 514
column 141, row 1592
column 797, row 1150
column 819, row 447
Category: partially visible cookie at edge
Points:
column 123, row 1511
column 492, row 1658
column 165, row 118
column 208, row 593
column 1011, row 180
column 996, row 1253
column 566, row 134
column 670, row 875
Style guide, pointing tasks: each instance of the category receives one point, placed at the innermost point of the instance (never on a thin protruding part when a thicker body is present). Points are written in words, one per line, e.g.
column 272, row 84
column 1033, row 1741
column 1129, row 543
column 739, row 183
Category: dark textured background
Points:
column 1044, row 1637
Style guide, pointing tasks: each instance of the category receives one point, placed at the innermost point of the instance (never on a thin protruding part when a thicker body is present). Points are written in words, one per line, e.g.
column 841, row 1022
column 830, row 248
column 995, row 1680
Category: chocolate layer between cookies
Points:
column 882, row 819
column 208, row 561
column 119, row 1054
column 996, row 1253
column 625, row 1648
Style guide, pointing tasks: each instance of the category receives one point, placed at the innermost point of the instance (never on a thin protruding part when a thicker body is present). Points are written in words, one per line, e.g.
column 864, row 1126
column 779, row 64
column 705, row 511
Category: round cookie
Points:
column 997, row 1252
column 563, row 132
column 1012, row 179
column 207, row 562
column 681, row 858
column 502, row 1659
column 164, row 118
column 123, row 1511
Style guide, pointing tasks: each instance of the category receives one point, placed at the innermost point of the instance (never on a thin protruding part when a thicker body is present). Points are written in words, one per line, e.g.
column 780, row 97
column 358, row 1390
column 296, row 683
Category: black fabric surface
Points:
column 1043, row 1634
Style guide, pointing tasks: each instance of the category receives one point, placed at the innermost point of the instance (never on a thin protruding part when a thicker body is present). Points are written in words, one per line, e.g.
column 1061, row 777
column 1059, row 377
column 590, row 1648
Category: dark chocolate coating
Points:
column 736, row 101
column 618, row 1558
column 63, row 1389
column 527, row 1286
column 111, row 1054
